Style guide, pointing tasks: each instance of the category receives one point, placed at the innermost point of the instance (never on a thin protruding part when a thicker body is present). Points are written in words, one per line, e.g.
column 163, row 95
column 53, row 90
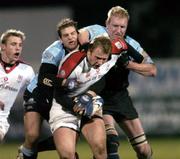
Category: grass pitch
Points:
column 164, row 148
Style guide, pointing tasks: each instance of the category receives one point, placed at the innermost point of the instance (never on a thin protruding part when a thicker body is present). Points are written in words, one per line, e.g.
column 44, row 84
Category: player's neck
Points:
column 6, row 60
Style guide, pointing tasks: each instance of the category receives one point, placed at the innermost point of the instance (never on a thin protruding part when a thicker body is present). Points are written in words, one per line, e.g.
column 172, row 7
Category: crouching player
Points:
column 76, row 108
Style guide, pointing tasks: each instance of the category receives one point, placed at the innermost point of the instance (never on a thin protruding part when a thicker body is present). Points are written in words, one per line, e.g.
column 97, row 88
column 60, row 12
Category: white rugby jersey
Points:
column 11, row 82
column 75, row 66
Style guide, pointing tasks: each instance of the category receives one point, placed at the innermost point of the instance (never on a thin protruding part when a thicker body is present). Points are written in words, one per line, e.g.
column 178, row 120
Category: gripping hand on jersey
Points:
column 87, row 105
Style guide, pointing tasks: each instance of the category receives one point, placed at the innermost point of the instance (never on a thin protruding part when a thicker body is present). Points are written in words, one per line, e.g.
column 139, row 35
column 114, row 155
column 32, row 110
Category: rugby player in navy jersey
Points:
column 38, row 95
column 118, row 106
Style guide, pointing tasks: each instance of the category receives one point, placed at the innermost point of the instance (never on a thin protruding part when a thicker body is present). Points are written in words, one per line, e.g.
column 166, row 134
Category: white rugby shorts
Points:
column 62, row 118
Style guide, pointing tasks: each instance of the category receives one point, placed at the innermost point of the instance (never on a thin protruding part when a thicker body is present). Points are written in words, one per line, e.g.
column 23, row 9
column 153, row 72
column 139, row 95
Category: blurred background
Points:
column 154, row 23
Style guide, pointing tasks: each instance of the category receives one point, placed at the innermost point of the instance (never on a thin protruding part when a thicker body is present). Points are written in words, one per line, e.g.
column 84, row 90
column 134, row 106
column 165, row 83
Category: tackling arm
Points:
column 145, row 68
column 142, row 68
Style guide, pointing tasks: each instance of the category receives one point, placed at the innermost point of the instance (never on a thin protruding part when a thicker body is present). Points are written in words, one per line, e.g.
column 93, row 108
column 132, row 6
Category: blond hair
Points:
column 117, row 11
column 12, row 32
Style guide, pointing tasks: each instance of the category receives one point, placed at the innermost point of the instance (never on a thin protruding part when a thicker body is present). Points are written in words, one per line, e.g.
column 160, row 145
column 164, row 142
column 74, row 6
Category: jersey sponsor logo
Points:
column 4, row 84
column 10, row 88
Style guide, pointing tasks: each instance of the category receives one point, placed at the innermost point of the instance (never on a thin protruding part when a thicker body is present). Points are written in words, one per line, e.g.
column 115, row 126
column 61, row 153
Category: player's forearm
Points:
column 47, row 76
column 143, row 69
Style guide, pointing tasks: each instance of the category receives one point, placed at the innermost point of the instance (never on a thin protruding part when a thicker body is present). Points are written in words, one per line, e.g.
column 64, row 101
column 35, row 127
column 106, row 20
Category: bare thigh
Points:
column 94, row 133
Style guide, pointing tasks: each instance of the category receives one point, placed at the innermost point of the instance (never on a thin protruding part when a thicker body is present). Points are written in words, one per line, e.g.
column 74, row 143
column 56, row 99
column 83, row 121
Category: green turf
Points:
column 164, row 148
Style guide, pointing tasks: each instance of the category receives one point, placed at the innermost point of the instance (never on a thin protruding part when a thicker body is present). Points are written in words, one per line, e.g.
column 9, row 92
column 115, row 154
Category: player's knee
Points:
column 32, row 136
column 99, row 149
column 141, row 147
column 112, row 146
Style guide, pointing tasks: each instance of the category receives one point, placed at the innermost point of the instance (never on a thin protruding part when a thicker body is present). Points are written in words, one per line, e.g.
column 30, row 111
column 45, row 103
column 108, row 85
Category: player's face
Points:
column 117, row 27
column 69, row 38
column 97, row 57
column 11, row 51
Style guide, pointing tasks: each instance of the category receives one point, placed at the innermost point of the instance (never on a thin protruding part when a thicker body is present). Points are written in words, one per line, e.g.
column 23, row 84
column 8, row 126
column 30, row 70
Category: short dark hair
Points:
column 104, row 42
column 64, row 23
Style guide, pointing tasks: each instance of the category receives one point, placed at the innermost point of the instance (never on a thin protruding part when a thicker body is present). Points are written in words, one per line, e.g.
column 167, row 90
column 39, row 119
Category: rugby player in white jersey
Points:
column 79, row 109
column 14, row 74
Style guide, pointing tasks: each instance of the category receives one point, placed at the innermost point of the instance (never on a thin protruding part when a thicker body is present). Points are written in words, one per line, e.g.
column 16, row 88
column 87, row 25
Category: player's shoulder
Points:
column 134, row 43
column 131, row 40
column 54, row 53
column 55, row 48
column 24, row 65
column 25, row 70
column 97, row 26
column 71, row 63
column 96, row 30
column 55, row 45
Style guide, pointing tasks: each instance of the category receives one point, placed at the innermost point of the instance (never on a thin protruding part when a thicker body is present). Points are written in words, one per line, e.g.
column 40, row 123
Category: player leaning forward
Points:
column 85, row 67
column 14, row 74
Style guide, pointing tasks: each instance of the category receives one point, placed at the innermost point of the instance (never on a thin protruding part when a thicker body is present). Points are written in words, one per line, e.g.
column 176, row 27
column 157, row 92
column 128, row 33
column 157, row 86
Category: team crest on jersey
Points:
column 3, row 80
